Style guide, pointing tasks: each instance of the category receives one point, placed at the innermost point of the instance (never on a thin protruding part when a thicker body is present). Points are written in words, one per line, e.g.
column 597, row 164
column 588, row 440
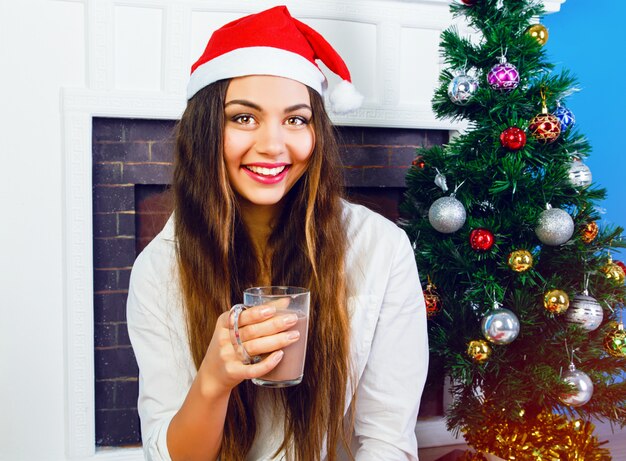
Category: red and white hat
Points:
column 273, row 43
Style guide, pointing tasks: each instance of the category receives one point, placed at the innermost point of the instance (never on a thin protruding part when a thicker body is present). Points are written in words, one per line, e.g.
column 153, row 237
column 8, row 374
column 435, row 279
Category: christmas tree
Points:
column 523, row 296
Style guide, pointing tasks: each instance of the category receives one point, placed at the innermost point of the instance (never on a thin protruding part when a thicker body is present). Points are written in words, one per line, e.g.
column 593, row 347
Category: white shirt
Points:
column 389, row 342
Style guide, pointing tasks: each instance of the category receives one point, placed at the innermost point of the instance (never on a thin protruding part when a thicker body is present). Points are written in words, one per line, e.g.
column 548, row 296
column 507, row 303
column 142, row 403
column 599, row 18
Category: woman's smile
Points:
column 267, row 173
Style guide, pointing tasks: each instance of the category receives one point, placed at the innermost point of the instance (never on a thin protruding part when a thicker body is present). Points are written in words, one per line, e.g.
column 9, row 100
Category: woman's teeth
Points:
column 266, row 171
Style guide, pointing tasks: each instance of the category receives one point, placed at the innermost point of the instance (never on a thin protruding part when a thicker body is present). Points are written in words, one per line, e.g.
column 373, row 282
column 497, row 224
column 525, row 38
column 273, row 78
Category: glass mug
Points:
column 286, row 300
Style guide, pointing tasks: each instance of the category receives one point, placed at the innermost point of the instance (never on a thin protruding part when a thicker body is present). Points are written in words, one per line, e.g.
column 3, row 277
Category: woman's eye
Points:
column 243, row 119
column 297, row 121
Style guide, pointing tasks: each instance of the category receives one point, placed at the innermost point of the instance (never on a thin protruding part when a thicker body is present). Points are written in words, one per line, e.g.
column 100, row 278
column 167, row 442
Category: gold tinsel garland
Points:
column 549, row 437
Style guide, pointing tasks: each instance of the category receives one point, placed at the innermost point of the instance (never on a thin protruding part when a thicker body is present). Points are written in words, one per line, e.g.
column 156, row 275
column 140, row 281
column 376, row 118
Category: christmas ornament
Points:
column 520, row 260
column 481, row 239
column 579, row 173
column 513, row 138
column 479, row 350
column 461, row 88
column 554, row 227
column 538, row 32
column 446, row 214
column 503, row 76
column 500, row 325
column 544, row 127
column 546, row 437
column 585, row 311
column 613, row 272
column 469, row 2
column 565, row 116
column 583, row 387
column 615, row 340
column 589, row 232
column 621, row 264
column 556, row 301
column 419, row 162
column 432, row 300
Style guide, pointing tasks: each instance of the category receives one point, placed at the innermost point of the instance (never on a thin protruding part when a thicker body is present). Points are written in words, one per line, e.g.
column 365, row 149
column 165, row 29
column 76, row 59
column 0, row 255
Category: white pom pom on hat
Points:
column 272, row 42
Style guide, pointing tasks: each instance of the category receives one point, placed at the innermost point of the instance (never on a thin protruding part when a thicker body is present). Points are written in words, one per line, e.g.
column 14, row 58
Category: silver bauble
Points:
column 462, row 88
column 579, row 174
column 586, row 311
column 446, row 215
column 555, row 226
column 583, row 387
column 500, row 326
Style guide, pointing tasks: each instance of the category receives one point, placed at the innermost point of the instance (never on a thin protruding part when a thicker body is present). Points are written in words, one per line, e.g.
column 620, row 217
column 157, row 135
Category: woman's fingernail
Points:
column 293, row 334
column 278, row 357
column 290, row 319
column 268, row 311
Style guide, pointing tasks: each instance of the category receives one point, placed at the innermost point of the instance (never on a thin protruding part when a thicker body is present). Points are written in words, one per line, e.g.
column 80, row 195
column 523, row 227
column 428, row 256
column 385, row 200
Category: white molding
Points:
column 100, row 44
column 78, row 284
column 79, row 106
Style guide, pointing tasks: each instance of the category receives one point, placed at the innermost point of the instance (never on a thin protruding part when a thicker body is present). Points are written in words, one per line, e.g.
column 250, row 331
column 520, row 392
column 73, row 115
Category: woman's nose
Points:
column 271, row 140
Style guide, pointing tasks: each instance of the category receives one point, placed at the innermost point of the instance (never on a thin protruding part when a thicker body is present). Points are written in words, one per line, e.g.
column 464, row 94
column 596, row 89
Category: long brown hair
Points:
column 217, row 261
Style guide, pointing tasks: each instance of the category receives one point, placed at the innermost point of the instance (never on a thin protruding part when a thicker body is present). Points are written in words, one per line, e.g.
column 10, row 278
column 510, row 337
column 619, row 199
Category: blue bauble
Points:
column 565, row 116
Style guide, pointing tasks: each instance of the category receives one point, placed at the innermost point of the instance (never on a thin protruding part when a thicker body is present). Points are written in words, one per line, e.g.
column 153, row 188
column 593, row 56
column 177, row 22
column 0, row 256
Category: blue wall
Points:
column 588, row 37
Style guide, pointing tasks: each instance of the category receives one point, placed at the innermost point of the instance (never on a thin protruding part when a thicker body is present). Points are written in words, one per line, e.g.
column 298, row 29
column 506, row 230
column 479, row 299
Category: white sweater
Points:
column 389, row 342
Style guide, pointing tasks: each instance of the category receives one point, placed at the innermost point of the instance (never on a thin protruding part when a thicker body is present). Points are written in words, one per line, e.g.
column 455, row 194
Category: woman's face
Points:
column 268, row 136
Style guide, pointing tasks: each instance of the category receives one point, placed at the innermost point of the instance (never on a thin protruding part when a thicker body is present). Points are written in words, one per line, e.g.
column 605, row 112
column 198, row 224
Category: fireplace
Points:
column 132, row 168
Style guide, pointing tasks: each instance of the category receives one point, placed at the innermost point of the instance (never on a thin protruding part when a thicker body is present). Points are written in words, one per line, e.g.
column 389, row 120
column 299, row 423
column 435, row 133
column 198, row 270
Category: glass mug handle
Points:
column 236, row 311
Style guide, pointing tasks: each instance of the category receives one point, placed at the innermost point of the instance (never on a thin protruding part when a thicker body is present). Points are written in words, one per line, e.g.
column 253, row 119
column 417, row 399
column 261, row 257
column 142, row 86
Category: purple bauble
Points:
column 503, row 77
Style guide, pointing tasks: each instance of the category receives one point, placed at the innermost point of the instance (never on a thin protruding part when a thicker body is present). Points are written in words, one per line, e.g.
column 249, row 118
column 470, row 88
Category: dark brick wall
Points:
column 132, row 166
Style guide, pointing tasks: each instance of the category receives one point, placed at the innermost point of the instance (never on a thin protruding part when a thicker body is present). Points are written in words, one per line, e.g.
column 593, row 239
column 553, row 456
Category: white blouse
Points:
column 389, row 342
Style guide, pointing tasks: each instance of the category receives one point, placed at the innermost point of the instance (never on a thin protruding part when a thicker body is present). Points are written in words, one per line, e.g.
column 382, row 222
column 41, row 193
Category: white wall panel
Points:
column 419, row 67
column 138, row 48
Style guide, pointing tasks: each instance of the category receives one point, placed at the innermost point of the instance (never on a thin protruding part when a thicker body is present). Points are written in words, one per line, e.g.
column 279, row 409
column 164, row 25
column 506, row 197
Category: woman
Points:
column 258, row 202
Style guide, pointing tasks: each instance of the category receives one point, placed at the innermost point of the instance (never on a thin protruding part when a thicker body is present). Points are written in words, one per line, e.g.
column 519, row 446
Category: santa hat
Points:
column 273, row 43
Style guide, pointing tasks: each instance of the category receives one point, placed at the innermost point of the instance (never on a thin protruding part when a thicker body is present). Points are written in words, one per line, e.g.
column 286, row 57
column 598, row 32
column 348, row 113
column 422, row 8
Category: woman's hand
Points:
column 262, row 333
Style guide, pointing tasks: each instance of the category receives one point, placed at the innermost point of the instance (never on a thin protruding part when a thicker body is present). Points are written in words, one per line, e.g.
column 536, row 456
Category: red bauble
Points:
column 481, row 239
column 545, row 128
column 469, row 2
column 513, row 138
column 419, row 162
column 620, row 264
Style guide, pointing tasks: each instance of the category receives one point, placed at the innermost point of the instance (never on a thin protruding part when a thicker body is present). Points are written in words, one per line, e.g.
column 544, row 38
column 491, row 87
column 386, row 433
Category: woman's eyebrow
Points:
column 297, row 107
column 244, row 102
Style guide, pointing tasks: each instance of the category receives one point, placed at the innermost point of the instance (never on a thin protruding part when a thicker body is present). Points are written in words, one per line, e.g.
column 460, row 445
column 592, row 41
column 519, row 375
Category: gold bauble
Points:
column 478, row 350
column 615, row 340
column 556, row 301
column 589, row 232
column 614, row 272
column 538, row 32
column 520, row 260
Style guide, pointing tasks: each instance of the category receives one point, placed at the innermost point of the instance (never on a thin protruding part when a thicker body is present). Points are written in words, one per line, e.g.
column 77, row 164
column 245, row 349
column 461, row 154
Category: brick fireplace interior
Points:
column 132, row 168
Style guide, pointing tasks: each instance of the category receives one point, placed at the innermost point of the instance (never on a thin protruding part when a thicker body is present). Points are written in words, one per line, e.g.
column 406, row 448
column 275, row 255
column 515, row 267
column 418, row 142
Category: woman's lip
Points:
column 268, row 180
column 267, row 165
